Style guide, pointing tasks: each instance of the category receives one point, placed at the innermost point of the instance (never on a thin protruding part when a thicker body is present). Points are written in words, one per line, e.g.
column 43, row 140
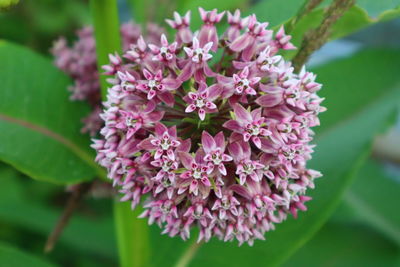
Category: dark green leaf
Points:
column 346, row 245
column 92, row 234
column 12, row 257
column 39, row 125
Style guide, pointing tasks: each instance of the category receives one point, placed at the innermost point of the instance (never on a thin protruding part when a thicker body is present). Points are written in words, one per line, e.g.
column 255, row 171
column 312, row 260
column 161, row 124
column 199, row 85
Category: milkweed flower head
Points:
column 211, row 131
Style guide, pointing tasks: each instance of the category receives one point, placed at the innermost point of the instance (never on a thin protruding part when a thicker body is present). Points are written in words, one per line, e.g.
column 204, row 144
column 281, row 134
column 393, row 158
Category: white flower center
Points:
column 197, row 174
column 164, row 50
column 152, row 83
column 130, row 122
column 165, row 144
column 200, row 102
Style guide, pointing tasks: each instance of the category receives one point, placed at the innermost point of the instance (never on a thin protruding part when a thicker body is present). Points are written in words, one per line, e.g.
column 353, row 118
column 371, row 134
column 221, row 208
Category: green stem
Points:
column 132, row 233
column 188, row 255
column 106, row 31
column 132, row 236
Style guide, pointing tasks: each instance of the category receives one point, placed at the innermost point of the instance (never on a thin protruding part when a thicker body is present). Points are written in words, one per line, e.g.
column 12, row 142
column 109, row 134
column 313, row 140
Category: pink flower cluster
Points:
column 213, row 131
column 80, row 63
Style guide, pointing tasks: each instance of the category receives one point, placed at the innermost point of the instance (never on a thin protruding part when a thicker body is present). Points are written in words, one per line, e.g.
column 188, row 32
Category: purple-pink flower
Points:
column 222, row 147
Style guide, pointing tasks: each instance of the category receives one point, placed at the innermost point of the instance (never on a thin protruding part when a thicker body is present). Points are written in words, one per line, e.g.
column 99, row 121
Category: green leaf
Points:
column 346, row 245
column 373, row 200
column 92, row 234
column 355, row 19
column 12, row 257
column 275, row 12
column 132, row 236
column 343, row 144
column 39, row 125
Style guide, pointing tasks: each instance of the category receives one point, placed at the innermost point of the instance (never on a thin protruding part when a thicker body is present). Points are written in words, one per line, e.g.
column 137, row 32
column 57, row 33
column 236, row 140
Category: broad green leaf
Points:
column 356, row 18
column 132, row 236
column 275, row 11
column 39, row 125
column 346, row 245
column 92, row 234
column 373, row 200
column 343, row 144
column 13, row 257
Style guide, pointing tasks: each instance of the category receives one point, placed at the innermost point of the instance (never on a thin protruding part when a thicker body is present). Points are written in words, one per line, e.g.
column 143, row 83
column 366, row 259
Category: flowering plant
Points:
column 220, row 146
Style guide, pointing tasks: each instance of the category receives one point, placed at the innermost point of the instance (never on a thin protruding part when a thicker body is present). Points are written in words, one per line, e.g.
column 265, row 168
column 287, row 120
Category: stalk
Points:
column 132, row 233
column 106, row 32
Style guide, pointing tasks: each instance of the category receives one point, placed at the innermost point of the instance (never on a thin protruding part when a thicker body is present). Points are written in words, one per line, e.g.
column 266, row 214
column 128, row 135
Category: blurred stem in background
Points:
column 132, row 233
column 315, row 38
column 106, row 31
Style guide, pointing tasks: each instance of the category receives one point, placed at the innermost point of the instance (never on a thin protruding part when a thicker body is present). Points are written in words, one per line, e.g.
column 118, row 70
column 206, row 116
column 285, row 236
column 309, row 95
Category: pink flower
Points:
column 197, row 61
column 282, row 41
column 208, row 32
column 184, row 34
column 202, row 100
column 214, row 148
column 164, row 141
column 233, row 174
column 247, row 41
column 249, row 124
column 164, row 53
column 195, row 178
column 240, row 84
column 246, row 167
column 156, row 85
column 266, row 61
column 236, row 25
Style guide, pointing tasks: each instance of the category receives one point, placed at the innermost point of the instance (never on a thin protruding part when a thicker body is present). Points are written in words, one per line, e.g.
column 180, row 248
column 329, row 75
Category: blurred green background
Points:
column 354, row 219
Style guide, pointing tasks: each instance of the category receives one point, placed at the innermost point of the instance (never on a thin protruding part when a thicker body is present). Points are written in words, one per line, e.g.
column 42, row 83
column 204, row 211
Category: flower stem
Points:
column 188, row 255
column 132, row 233
column 132, row 236
column 106, row 31
column 315, row 38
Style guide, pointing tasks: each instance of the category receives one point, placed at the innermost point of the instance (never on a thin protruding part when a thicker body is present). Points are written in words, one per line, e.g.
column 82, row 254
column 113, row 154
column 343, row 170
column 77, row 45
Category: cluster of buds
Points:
column 80, row 63
column 211, row 131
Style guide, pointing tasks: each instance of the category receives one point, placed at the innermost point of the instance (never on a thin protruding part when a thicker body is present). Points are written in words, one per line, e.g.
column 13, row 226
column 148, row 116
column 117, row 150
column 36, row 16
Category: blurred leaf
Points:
column 39, row 125
column 7, row 3
column 373, row 199
column 12, row 257
column 376, row 8
column 343, row 144
column 346, row 245
column 275, row 12
column 133, row 236
column 356, row 18
column 93, row 235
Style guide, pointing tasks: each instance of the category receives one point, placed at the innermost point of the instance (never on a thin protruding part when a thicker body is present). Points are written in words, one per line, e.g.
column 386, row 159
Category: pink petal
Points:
column 190, row 108
column 242, row 115
column 208, row 142
column 202, row 114
column 269, row 100
column 186, row 159
column 233, row 126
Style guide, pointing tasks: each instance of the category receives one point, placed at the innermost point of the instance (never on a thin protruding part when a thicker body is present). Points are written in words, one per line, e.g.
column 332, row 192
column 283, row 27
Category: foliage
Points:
column 39, row 137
